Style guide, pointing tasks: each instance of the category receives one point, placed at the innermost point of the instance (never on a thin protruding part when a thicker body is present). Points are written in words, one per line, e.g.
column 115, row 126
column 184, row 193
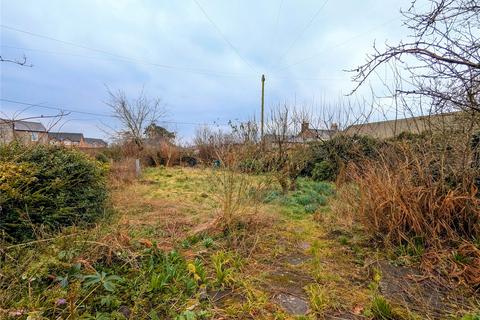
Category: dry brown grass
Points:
column 122, row 172
column 407, row 198
column 399, row 201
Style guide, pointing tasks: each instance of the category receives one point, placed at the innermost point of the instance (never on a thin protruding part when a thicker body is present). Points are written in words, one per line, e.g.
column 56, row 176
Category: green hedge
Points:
column 46, row 188
column 328, row 157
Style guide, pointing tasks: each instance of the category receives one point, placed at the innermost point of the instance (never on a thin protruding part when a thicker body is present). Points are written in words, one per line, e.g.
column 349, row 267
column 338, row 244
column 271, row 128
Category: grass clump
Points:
column 380, row 309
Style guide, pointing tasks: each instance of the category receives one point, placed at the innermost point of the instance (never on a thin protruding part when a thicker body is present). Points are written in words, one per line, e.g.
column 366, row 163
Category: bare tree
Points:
column 134, row 115
column 286, row 157
column 22, row 62
column 441, row 62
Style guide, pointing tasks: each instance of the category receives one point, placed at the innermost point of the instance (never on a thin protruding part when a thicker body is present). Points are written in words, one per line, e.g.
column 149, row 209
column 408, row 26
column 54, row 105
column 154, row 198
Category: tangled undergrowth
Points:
column 154, row 259
column 419, row 207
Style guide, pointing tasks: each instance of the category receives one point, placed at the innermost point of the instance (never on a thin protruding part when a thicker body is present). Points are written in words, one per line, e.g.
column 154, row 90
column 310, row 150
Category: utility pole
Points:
column 263, row 107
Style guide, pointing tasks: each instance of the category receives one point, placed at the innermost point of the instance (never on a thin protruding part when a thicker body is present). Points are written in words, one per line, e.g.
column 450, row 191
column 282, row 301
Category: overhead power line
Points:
column 224, row 37
column 305, row 28
column 125, row 58
column 57, row 108
column 275, row 31
column 367, row 32
column 220, row 75
column 340, row 44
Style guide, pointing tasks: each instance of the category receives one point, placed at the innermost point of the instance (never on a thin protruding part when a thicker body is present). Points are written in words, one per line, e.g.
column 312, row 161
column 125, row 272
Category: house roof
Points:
column 62, row 136
column 95, row 141
column 20, row 125
column 319, row 131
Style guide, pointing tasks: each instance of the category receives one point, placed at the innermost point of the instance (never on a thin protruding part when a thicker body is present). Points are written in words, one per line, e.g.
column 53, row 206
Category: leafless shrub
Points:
column 134, row 115
column 286, row 156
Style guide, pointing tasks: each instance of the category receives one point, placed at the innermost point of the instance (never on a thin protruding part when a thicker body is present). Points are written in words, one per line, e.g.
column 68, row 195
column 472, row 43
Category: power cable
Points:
column 337, row 45
column 220, row 75
column 275, row 31
column 294, row 42
column 121, row 57
column 223, row 36
column 98, row 114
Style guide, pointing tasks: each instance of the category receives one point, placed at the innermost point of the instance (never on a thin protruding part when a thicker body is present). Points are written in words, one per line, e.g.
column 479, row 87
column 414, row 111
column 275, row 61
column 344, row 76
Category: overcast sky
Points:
column 203, row 58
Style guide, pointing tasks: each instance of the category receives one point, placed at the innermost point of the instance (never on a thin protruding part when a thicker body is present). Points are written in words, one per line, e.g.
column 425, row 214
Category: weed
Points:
column 320, row 299
column 101, row 278
column 343, row 240
column 224, row 264
column 208, row 242
column 380, row 309
column 192, row 315
column 460, row 258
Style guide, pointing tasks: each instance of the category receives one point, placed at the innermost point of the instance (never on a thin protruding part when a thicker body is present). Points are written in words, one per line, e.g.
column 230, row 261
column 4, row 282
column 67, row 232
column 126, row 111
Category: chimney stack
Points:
column 305, row 126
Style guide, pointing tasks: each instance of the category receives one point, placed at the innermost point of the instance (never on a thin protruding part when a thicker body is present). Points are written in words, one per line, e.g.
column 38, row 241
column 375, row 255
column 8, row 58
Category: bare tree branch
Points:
column 22, row 62
column 442, row 63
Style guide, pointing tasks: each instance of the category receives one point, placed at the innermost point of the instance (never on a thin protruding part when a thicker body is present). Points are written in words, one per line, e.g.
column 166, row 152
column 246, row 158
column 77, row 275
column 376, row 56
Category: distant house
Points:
column 308, row 134
column 95, row 143
column 305, row 135
column 68, row 139
column 26, row 132
column 71, row 139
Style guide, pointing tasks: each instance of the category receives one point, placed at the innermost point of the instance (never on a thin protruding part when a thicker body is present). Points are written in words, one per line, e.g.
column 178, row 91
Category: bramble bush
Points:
column 44, row 188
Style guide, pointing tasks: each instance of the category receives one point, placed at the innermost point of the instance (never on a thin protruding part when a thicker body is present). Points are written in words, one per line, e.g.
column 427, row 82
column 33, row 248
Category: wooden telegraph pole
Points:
column 263, row 108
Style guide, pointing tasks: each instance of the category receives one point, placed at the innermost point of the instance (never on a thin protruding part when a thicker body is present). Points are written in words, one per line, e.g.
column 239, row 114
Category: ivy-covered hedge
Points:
column 46, row 188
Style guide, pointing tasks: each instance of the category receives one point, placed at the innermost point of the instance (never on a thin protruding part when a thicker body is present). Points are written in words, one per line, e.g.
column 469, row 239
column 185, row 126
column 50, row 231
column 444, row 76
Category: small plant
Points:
column 380, row 309
column 108, row 282
column 459, row 258
column 320, row 299
column 343, row 240
column 208, row 242
column 375, row 283
column 223, row 264
column 73, row 273
column 110, row 301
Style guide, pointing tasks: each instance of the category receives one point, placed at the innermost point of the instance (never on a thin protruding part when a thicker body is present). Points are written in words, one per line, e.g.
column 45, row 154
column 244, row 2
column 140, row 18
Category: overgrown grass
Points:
column 308, row 196
column 149, row 260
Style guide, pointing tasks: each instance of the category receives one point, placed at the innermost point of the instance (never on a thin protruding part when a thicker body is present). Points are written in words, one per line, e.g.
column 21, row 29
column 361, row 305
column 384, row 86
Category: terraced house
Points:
column 73, row 139
column 26, row 132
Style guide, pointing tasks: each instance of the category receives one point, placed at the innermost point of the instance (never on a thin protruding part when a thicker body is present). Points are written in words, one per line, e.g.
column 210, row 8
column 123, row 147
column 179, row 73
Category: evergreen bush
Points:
column 46, row 188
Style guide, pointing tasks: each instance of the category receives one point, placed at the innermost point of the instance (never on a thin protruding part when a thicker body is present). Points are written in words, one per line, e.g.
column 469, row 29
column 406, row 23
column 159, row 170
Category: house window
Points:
column 34, row 136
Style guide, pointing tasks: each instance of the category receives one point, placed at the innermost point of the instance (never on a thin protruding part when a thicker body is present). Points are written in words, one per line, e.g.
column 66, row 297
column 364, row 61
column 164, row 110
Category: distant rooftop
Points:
column 62, row 136
column 20, row 125
column 95, row 141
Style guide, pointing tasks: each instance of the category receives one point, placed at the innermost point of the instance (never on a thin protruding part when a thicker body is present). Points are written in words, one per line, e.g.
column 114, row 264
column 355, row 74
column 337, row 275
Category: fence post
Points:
column 137, row 167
